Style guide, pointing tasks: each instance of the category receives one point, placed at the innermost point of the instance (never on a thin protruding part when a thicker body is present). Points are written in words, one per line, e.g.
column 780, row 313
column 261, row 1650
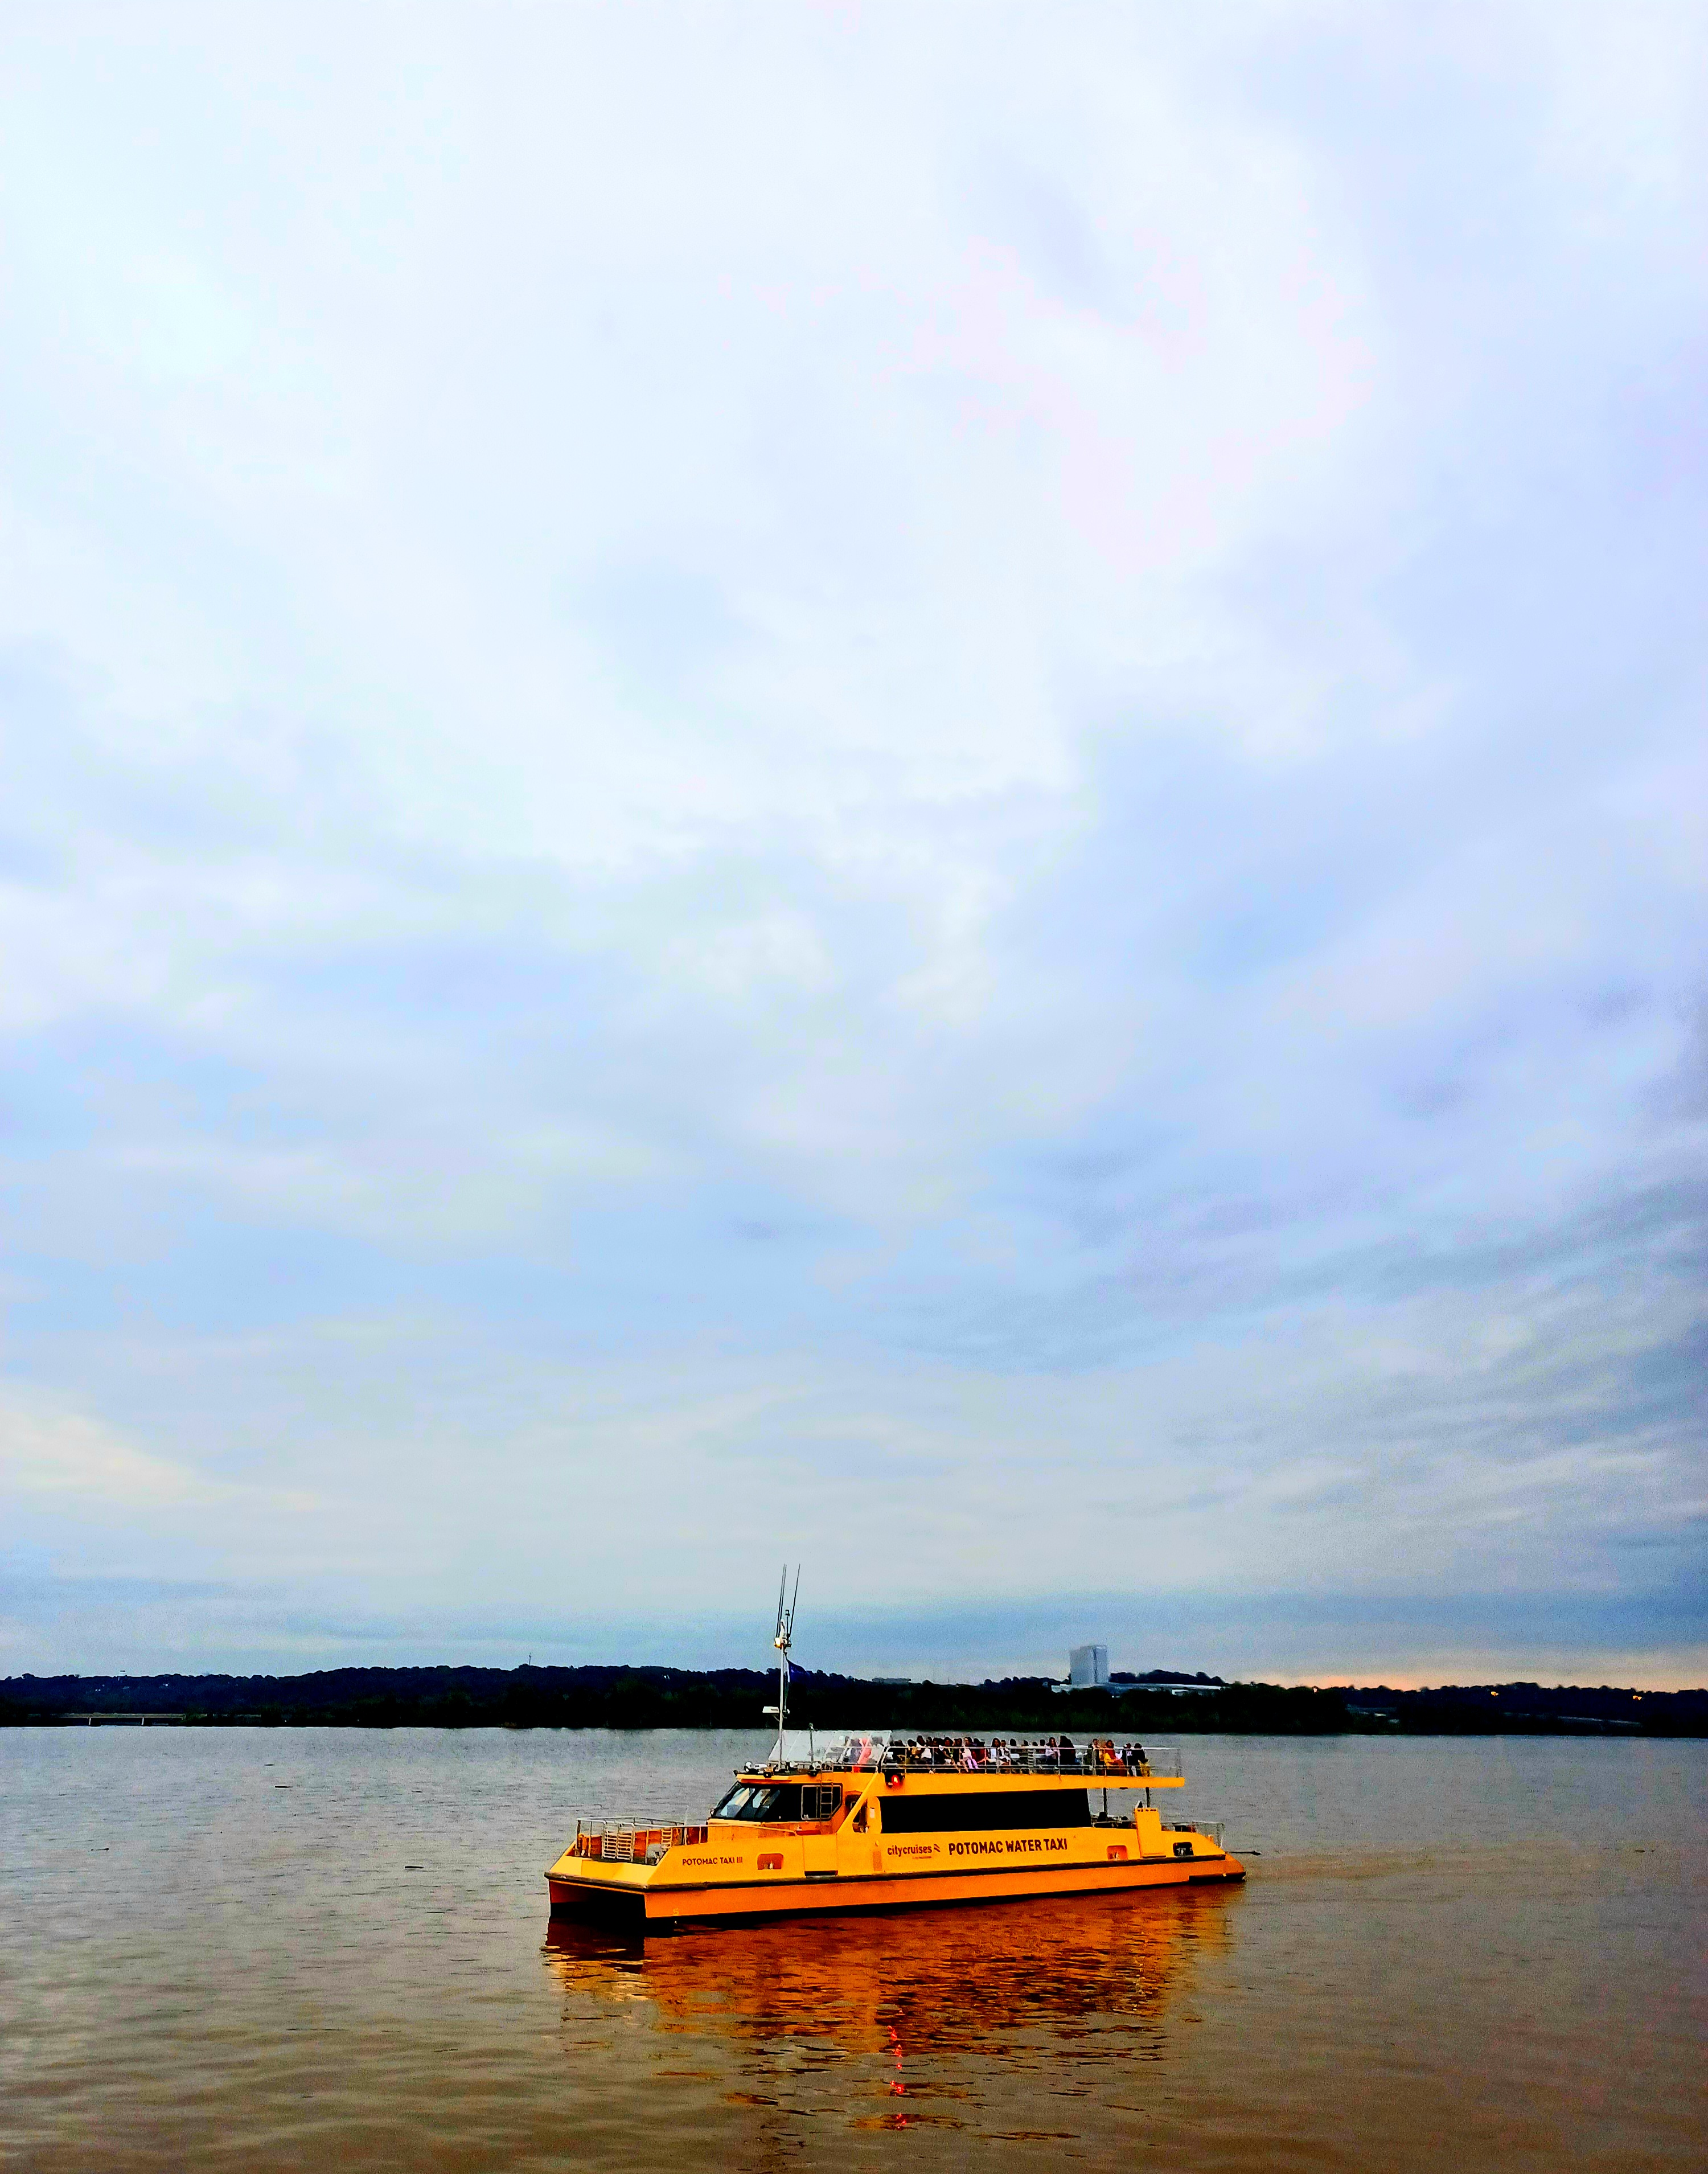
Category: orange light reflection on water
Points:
column 897, row 2006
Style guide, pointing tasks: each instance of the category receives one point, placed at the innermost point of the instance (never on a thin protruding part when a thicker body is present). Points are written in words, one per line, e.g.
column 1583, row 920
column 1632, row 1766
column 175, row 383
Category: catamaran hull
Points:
column 639, row 1904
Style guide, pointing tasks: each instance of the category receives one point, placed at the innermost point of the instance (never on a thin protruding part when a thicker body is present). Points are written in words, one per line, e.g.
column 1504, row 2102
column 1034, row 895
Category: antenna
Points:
column 782, row 1639
column 786, row 1616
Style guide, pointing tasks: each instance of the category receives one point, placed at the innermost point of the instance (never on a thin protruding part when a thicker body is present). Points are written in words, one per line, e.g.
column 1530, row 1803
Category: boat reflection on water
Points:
column 929, row 2017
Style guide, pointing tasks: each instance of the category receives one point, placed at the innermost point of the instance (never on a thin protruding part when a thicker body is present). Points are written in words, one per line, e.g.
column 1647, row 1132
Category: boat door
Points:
column 821, row 1805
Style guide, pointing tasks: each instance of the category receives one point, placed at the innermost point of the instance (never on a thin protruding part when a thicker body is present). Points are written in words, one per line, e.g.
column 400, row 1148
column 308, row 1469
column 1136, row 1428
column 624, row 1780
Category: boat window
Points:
column 781, row 1800
column 927, row 1814
column 761, row 1800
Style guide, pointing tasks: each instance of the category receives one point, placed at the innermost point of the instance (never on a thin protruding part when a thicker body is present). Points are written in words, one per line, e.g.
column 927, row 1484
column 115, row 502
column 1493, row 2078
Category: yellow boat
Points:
column 869, row 1823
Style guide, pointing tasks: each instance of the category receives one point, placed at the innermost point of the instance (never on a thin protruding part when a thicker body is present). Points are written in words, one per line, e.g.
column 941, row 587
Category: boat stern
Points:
column 604, row 1873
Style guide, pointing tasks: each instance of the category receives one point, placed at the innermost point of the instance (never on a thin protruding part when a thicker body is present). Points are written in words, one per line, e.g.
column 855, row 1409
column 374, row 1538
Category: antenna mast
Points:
column 782, row 1639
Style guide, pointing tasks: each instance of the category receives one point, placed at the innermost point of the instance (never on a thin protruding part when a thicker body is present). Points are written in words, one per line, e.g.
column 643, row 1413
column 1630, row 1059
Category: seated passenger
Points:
column 1069, row 1752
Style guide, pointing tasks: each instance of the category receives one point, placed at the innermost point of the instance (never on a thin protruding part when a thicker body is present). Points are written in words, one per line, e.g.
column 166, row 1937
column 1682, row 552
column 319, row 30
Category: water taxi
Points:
column 868, row 1821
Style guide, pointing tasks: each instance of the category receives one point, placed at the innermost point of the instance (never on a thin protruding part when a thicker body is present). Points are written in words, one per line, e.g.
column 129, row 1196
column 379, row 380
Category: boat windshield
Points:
column 759, row 1800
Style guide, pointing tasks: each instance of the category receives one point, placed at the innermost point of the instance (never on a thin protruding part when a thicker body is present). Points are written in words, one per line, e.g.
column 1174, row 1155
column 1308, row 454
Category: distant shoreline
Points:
column 642, row 1698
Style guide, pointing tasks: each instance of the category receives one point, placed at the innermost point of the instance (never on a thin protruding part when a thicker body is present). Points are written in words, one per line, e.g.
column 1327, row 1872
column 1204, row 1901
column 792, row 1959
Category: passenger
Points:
column 922, row 1753
column 1069, row 1753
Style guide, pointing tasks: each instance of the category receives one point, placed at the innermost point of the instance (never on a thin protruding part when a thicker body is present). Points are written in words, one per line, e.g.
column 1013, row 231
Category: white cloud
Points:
column 66, row 1459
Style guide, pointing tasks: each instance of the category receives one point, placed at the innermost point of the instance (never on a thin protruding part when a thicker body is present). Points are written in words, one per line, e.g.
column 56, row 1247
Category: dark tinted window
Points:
column 904, row 1812
column 761, row 1800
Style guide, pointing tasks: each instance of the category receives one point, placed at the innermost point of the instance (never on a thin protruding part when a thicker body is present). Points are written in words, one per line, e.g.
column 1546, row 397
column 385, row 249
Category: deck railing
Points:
column 632, row 1842
column 955, row 1755
column 1211, row 1830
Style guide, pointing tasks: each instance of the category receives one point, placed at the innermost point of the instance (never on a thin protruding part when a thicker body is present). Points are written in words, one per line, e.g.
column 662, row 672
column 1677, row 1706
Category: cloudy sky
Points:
column 923, row 788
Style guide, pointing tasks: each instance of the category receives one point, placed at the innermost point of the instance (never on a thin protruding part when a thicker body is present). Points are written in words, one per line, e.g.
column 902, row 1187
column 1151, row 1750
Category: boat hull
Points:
column 641, row 1902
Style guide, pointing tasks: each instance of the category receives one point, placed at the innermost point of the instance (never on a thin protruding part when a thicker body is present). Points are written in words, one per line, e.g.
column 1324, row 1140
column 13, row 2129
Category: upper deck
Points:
column 959, row 1763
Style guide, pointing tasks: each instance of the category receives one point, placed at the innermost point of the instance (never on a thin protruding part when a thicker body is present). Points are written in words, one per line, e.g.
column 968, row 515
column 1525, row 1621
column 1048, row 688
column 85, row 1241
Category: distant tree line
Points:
column 610, row 1697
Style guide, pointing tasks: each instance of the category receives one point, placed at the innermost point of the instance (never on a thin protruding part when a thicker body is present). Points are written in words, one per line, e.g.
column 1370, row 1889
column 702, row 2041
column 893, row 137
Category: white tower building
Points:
column 1088, row 1666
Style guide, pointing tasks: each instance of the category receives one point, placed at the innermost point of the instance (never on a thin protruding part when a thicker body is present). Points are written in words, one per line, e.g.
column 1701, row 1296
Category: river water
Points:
column 322, row 1948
